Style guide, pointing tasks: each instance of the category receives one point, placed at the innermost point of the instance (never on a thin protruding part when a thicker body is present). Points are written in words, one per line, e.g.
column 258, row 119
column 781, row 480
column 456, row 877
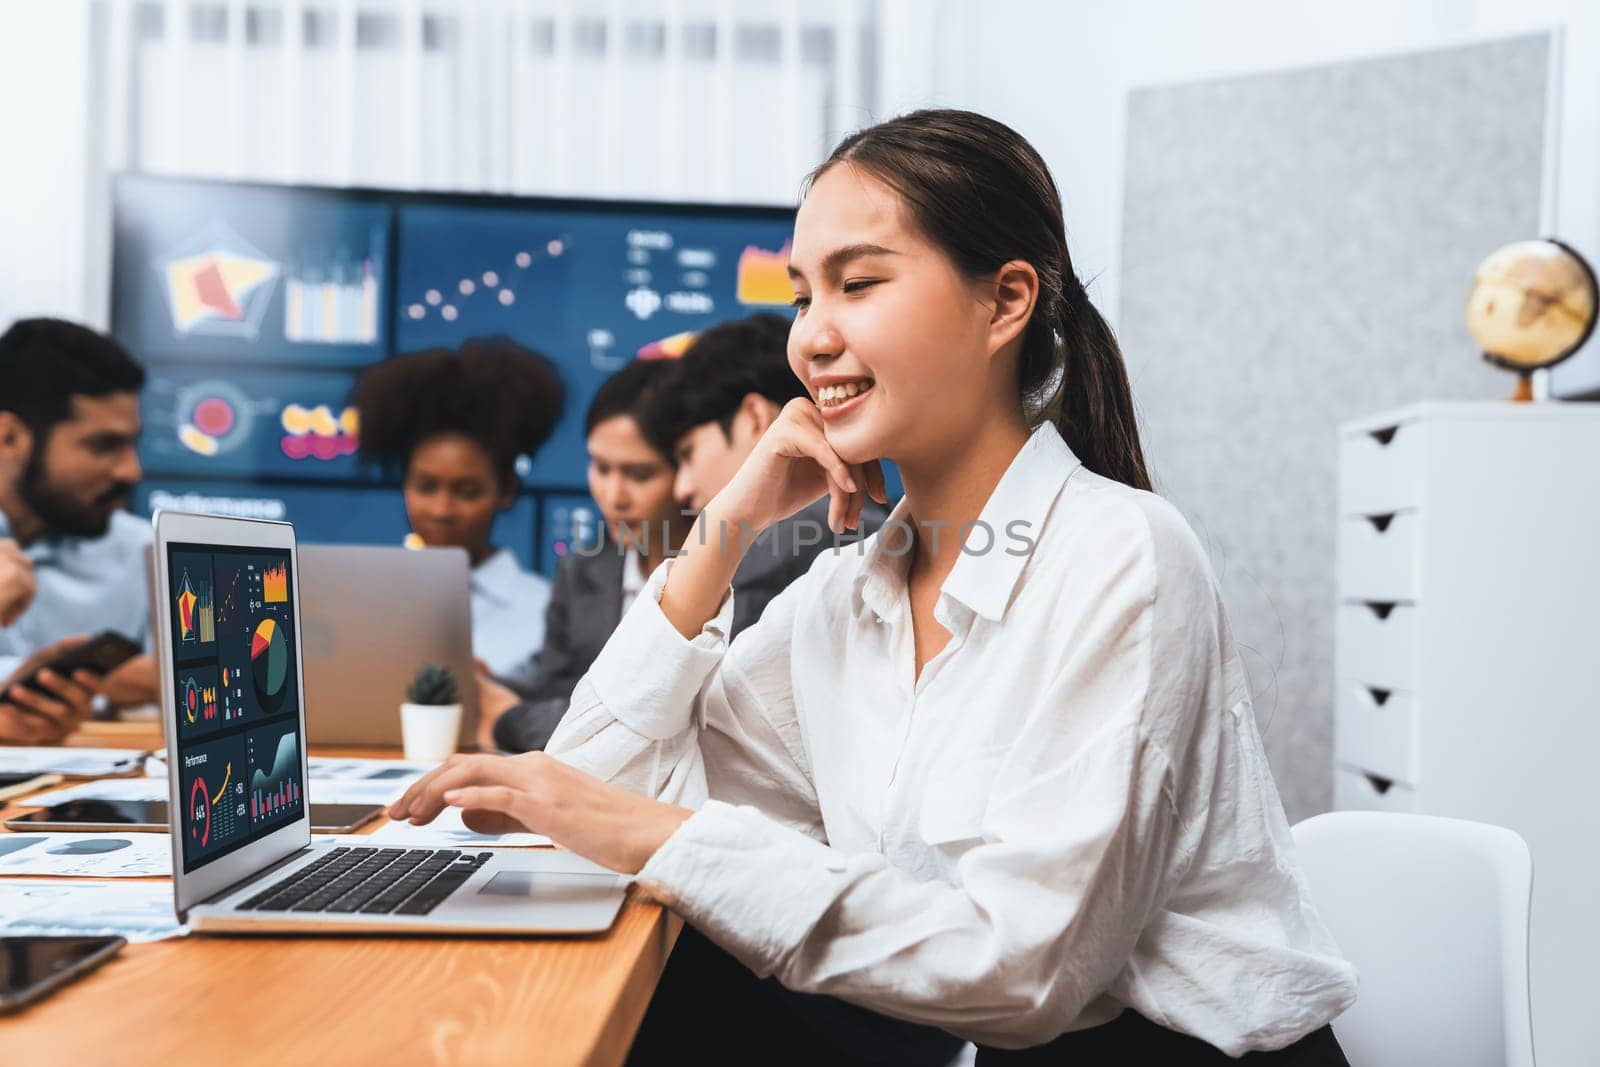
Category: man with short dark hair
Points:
column 69, row 427
column 729, row 386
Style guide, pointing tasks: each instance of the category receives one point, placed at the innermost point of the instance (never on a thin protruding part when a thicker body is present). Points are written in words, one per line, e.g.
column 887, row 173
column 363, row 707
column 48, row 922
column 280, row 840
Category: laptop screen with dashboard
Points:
column 236, row 702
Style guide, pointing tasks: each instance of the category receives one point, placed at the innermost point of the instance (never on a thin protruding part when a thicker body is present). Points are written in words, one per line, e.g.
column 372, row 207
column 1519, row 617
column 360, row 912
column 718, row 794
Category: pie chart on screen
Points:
column 269, row 664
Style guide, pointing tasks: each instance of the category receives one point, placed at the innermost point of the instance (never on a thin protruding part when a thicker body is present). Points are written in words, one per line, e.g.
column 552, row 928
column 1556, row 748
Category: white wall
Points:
column 1060, row 73
column 44, row 195
column 1058, row 70
column 88, row 87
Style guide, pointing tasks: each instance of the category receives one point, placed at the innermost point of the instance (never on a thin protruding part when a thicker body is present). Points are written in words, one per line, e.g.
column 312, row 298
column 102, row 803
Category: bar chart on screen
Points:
column 276, row 787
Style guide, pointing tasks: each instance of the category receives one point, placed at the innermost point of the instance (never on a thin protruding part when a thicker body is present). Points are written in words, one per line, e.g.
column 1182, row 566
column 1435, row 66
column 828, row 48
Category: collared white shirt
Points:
column 633, row 577
column 508, row 606
column 84, row 585
column 1068, row 813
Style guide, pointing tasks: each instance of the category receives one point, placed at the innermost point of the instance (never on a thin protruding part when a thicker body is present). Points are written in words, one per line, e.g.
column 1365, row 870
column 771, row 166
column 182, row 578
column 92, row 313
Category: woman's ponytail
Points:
column 1093, row 405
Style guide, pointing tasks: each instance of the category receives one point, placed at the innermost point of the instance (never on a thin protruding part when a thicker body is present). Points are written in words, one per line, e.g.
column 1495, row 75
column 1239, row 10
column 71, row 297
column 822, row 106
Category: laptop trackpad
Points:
column 547, row 887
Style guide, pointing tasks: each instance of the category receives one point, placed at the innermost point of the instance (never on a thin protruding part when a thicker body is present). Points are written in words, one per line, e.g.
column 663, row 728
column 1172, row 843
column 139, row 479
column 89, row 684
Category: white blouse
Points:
column 508, row 616
column 1068, row 813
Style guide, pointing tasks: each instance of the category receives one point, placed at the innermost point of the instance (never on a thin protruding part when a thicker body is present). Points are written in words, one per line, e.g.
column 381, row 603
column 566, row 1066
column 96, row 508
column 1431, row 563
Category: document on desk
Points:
column 448, row 831
column 81, row 855
column 331, row 768
column 138, row 911
column 332, row 782
column 74, row 762
column 334, row 769
column 104, row 789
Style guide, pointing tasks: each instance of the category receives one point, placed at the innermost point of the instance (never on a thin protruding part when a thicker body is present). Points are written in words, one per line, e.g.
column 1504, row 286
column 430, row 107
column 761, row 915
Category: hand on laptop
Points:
column 17, row 583
column 535, row 792
column 29, row 717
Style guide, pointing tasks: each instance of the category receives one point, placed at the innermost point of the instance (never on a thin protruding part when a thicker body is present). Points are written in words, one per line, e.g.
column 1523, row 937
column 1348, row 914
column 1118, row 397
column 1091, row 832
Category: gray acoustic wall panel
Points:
column 1297, row 250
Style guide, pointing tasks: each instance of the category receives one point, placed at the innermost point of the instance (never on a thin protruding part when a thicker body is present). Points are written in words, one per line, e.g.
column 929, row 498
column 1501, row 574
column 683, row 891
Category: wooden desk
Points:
column 285, row 1000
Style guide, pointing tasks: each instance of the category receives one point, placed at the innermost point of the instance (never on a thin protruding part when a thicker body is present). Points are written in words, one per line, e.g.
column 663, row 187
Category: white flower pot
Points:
column 429, row 731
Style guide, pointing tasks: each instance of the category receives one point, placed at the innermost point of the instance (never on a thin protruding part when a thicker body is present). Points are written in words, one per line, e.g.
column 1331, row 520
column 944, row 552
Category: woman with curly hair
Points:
column 453, row 422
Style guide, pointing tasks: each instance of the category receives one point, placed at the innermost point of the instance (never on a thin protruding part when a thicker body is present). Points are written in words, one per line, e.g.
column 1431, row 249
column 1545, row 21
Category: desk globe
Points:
column 1532, row 305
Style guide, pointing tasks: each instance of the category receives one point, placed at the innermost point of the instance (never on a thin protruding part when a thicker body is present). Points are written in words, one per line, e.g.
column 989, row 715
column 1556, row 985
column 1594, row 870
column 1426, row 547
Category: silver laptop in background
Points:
column 227, row 594
column 371, row 615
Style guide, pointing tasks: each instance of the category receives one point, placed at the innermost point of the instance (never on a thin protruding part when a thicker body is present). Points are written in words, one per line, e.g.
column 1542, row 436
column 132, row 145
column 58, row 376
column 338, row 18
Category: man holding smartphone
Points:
column 45, row 712
column 69, row 427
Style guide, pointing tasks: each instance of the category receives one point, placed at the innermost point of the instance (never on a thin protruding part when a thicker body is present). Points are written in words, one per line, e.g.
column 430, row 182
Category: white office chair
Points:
column 1434, row 914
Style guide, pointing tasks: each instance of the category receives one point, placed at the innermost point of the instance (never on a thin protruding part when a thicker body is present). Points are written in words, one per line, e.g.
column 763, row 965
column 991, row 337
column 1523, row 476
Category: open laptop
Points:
column 227, row 598
column 391, row 610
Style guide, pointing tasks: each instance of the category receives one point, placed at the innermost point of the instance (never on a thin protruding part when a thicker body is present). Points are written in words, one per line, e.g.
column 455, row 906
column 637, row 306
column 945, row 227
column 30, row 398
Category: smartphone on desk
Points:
column 101, row 654
column 30, row 967
column 110, row 816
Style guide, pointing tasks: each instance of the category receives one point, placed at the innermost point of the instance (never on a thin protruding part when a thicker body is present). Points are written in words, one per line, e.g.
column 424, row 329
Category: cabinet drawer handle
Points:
column 1384, row 435
column 1380, row 697
column 1382, row 785
column 1381, row 608
column 1381, row 522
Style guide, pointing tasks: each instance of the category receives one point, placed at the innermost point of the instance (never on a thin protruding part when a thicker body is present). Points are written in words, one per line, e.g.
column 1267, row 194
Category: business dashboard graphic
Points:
column 319, row 432
column 491, row 279
column 269, row 664
column 220, row 284
column 197, row 696
column 245, row 275
column 590, row 288
column 235, row 698
column 764, row 277
column 276, row 785
column 255, row 650
column 196, row 615
column 256, row 307
column 212, row 780
column 217, row 283
column 334, row 302
column 670, row 347
column 275, row 583
column 290, row 424
column 194, row 612
column 213, row 417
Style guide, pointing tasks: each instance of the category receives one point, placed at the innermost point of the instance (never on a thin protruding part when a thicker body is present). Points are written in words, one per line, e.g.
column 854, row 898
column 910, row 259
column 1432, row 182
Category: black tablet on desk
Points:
column 30, row 967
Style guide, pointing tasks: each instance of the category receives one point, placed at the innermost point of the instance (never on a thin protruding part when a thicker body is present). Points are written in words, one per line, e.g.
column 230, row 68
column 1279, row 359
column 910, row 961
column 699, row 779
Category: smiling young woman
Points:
column 1017, row 795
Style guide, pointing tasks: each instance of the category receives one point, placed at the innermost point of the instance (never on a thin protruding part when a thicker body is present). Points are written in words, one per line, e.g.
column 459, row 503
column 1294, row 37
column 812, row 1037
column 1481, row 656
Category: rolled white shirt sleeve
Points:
column 1036, row 929
column 1074, row 852
column 654, row 704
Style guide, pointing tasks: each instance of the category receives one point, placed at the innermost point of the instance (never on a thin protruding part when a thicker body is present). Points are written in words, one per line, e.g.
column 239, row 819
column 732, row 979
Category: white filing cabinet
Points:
column 1467, row 663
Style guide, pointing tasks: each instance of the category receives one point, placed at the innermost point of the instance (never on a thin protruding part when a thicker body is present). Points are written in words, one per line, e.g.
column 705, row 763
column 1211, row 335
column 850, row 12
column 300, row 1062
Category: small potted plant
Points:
column 430, row 719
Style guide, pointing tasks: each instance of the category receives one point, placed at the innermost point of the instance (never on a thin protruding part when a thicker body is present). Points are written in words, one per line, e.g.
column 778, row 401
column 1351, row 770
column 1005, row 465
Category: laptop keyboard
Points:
column 371, row 881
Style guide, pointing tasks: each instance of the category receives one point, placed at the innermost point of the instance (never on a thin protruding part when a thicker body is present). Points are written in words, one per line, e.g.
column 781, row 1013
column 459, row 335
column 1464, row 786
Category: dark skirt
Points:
column 1133, row 1039
column 710, row 1009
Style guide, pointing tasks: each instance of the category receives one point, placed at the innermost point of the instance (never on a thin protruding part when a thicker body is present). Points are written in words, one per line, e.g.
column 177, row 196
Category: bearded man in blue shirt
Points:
column 69, row 429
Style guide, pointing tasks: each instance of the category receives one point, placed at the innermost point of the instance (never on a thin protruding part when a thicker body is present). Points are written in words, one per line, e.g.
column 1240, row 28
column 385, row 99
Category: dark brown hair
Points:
column 977, row 189
column 491, row 390
column 721, row 367
column 44, row 363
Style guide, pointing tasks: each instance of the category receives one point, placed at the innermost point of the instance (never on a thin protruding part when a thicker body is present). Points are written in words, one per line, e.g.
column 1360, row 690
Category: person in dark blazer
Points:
column 706, row 413
column 632, row 482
